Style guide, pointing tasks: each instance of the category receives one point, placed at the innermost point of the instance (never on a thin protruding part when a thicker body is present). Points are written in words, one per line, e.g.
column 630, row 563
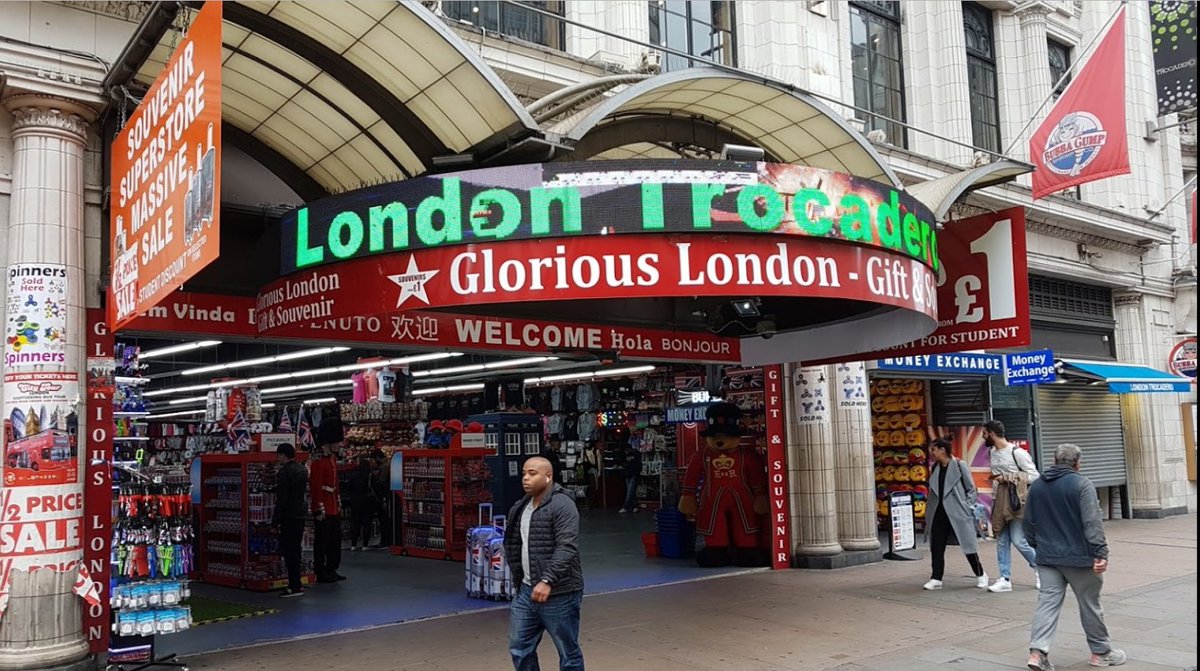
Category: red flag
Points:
column 1084, row 137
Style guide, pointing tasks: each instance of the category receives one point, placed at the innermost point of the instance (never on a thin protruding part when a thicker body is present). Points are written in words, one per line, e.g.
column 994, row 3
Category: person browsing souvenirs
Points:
column 950, row 513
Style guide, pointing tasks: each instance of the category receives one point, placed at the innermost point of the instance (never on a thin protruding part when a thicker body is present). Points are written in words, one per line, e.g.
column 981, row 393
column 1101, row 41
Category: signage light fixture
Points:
column 473, row 368
column 630, row 370
column 319, row 401
column 176, row 349
column 289, row 356
column 447, row 390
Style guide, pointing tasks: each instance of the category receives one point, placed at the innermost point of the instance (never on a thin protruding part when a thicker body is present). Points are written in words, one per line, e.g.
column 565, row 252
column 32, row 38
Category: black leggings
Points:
column 939, row 534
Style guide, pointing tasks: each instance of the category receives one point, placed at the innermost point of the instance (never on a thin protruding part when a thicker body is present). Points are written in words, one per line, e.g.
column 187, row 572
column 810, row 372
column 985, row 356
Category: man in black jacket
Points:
column 1062, row 521
column 541, row 546
column 291, row 483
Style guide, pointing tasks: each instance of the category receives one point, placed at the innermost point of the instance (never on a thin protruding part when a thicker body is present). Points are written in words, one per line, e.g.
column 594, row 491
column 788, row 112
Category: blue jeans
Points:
column 559, row 616
column 1014, row 534
column 631, row 499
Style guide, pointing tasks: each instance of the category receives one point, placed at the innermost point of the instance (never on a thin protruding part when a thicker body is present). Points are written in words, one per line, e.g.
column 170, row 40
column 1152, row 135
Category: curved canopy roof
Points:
column 939, row 194
column 349, row 93
column 791, row 126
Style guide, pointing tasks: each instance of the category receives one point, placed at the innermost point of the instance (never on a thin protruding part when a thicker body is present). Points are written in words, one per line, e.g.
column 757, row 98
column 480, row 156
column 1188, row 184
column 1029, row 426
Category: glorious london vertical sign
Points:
column 781, row 553
column 166, row 174
column 97, row 484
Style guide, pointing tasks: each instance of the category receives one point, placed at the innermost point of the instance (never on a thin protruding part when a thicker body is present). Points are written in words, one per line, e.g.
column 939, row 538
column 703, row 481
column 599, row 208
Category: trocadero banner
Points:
column 610, row 231
column 1173, row 28
column 166, row 176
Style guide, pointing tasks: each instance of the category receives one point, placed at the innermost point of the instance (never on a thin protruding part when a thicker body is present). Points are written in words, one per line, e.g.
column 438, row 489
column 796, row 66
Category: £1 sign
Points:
column 983, row 287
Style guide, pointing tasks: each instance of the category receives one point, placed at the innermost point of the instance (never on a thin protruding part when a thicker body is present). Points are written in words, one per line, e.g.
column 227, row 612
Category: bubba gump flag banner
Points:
column 1084, row 137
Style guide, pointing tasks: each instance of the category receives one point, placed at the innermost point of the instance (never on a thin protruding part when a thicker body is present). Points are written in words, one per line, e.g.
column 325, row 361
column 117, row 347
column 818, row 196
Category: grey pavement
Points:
column 866, row 618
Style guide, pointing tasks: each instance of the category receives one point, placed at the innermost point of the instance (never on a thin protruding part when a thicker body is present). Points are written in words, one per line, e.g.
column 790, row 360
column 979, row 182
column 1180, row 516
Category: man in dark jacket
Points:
column 291, row 482
column 1062, row 521
column 542, row 550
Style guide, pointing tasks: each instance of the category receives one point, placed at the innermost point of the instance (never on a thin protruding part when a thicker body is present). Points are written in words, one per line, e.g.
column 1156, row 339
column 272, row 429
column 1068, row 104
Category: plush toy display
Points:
column 733, row 495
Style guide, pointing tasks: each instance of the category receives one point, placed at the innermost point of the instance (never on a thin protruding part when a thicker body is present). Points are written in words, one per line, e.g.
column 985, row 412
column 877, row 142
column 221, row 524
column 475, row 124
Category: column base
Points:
column 840, row 560
column 860, row 545
column 32, row 660
column 1158, row 513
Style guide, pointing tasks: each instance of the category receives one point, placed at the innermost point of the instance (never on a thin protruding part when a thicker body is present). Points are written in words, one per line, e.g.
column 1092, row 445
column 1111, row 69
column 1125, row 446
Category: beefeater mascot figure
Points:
column 732, row 486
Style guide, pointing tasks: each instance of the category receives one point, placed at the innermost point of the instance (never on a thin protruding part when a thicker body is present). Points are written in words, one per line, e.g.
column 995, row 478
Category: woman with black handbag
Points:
column 950, row 514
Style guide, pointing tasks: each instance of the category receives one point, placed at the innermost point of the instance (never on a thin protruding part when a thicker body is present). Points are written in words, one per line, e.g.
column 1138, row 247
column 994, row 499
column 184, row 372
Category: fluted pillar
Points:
column 854, row 463
column 41, row 626
column 811, row 460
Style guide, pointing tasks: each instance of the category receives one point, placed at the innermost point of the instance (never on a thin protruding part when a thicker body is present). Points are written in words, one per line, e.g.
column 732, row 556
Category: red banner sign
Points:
column 97, row 485
column 777, row 474
column 597, row 268
column 234, row 316
column 166, row 174
column 1084, row 138
column 983, row 292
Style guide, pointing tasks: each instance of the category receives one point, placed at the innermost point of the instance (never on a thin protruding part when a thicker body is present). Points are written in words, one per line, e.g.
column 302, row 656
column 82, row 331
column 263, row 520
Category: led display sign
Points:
column 563, row 200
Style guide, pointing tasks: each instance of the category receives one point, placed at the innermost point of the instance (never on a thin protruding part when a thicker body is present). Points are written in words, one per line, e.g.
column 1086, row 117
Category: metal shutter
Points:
column 961, row 402
column 1089, row 417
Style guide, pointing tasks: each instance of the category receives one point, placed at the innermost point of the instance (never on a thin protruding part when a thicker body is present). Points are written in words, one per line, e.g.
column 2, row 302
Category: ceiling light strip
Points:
column 288, row 356
column 176, row 349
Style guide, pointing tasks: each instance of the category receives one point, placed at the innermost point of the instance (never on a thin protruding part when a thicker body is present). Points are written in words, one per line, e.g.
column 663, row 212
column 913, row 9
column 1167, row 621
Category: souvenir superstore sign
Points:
column 166, row 174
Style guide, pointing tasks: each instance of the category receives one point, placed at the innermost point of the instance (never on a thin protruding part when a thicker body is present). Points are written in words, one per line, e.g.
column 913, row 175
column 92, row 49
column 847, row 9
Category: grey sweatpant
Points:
column 1086, row 585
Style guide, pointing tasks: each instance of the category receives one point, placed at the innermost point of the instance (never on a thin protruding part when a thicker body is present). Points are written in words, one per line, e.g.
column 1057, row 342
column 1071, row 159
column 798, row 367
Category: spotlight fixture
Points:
column 746, row 307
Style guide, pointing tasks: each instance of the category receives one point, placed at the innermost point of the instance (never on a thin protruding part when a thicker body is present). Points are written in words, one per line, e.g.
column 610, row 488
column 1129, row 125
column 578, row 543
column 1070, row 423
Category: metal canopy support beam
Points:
column 631, row 129
column 419, row 137
column 149, row 32
column 297, row 180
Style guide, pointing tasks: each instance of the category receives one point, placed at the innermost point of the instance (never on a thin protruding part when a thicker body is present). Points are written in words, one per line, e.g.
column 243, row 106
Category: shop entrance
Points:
column 591, row 412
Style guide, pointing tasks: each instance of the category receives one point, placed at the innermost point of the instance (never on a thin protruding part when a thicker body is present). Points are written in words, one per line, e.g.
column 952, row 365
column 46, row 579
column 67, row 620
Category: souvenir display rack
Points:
column 440, row 501
column 900, row 438
column 239, row 547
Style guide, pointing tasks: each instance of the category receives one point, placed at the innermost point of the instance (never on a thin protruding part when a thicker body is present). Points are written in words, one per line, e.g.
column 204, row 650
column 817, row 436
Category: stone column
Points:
column 811, row 462
column 855, row 465
column 1027, row 83
column 41, row 628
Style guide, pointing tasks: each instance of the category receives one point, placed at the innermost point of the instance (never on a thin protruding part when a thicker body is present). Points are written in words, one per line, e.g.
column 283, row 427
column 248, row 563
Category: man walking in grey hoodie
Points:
column 1062, row 521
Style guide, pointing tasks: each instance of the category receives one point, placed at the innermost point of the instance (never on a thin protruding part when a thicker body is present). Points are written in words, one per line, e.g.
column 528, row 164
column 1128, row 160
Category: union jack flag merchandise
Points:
column 238, row 433
column 285, row 422
column 304, row 434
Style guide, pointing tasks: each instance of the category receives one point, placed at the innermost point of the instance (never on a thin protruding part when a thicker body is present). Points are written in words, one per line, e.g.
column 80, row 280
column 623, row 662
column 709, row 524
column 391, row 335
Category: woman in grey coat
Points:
column 950, row 512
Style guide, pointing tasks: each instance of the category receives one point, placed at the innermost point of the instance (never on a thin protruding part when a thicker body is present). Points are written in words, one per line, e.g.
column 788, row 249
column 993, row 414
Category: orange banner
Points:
column 166, row 172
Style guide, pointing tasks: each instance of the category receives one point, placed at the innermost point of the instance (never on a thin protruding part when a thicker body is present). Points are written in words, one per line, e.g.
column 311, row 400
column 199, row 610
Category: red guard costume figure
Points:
column 733, row 493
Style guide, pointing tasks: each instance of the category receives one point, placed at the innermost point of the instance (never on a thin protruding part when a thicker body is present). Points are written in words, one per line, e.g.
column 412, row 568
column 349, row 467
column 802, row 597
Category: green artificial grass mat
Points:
column 207, row 611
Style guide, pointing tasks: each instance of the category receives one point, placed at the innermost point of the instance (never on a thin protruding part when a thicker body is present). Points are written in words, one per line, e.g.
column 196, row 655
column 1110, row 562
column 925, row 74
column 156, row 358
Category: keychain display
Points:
column 152, row 557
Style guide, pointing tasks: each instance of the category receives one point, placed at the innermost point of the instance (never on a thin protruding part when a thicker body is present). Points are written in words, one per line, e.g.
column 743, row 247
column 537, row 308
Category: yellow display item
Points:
column 902, row 474
column 917, row 473
column 911, row 421
column 909, row 387
column 882, row 505
column 918, row 508
column 913, row 439
column 880, row 422
column 898, row 438
column 883, row 438
column 877, row 403
column 889, row 473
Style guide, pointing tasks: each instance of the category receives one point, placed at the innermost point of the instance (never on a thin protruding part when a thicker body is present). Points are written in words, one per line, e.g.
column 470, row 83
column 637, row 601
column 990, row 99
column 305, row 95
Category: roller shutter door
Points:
column 1089, row 417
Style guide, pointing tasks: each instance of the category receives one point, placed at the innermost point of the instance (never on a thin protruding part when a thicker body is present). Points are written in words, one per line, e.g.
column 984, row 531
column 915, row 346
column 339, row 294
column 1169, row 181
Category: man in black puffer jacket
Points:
column 290, row 511
column 542, row 549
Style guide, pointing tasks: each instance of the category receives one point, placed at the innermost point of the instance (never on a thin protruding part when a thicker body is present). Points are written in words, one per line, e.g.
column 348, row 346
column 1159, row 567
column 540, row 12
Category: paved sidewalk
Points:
column 867, row 618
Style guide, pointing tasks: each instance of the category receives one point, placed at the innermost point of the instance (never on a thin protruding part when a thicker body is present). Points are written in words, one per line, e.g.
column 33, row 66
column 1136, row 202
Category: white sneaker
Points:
column 1001, row 585
column 982, row 581
column 354, row 548
column 1038, row 581
column 623, row 510
column 932, row 585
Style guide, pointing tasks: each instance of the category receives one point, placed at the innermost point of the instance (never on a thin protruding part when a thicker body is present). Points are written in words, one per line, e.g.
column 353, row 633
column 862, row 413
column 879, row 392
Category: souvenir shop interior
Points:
column 198, row 423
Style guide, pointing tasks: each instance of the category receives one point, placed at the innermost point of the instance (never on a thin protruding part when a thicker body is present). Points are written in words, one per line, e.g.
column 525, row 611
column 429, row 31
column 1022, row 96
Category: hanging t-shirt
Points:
column 556, row 399
column 587, row 426
column 372, row 379
column 387, row 386
column 555, row 425
column 360, row 387
column 568, row 399
column 587, row 397
column 475, row 405
column 570, row 429
column 541, row 400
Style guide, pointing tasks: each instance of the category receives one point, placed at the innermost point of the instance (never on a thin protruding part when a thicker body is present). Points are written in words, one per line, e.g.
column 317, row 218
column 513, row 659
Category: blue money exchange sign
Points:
column 1024, row 368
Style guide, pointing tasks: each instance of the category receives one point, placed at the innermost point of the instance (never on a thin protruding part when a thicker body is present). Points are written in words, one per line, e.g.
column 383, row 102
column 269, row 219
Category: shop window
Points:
column 981, row 77
column 512, row 20
column 512, row 444
column 878, row 66
column 533, row 444
column 702, row 29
